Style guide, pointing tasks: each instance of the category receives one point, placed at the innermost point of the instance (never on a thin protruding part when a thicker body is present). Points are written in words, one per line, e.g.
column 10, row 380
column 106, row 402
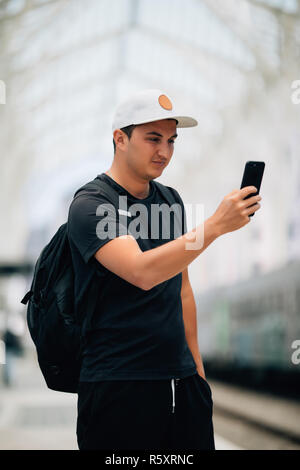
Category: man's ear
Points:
column 120, row 139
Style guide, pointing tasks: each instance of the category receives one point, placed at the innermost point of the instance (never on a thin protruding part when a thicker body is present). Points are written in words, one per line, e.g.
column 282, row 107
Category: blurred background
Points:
column 235, row 67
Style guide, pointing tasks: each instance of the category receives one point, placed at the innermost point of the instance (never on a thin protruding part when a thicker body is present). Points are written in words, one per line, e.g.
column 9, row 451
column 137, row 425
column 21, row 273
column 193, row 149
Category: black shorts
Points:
column 145, row 414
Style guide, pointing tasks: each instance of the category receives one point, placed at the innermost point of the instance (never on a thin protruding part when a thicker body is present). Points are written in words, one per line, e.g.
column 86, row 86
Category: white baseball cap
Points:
column 148, row 106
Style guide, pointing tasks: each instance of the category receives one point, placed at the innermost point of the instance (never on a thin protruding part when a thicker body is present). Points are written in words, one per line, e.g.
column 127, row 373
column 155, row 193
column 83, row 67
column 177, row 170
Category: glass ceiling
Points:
column 67, row 63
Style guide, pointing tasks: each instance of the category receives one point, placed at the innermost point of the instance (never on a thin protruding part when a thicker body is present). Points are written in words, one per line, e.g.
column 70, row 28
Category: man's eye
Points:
column 155, row 139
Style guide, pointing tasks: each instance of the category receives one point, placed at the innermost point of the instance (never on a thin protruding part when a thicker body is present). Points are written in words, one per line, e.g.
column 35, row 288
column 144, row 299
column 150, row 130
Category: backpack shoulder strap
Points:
column 173, row 197
column 99, row 188
column 166, row 193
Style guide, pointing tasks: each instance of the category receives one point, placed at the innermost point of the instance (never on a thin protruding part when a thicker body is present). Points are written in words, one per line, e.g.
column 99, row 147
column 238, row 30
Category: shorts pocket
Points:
column 206, row 384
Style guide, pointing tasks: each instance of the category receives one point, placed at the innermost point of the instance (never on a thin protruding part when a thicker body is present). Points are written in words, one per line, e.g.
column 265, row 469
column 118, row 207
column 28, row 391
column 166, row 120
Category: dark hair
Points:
column 128, row 131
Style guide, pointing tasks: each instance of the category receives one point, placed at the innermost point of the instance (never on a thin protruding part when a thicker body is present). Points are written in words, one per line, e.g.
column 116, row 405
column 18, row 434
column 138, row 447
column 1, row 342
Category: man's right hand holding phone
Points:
column 233, row 212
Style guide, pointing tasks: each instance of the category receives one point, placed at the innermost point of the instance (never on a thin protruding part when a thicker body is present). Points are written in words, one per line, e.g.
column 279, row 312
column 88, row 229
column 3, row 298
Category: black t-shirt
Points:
column 137, row 334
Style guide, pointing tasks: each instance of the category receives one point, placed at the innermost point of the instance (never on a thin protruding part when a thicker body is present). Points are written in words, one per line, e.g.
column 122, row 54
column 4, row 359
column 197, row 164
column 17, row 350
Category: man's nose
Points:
column 164, row 151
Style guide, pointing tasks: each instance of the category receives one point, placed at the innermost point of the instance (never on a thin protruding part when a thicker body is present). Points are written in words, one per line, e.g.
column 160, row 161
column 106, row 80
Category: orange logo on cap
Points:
column 165, row 102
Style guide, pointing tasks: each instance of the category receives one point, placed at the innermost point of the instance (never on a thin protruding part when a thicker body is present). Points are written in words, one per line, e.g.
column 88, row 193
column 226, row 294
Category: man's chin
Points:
column 154, row 176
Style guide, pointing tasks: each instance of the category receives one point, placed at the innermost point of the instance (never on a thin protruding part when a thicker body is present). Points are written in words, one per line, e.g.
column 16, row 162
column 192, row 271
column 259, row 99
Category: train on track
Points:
column 248, row 331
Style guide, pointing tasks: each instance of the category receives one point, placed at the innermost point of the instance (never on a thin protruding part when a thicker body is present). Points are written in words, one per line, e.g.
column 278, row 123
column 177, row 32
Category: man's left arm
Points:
column 189, row 313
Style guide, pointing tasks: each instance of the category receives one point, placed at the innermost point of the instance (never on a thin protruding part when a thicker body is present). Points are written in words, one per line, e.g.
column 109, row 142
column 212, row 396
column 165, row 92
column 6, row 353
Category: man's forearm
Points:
column 189, row 313
column 164, row 262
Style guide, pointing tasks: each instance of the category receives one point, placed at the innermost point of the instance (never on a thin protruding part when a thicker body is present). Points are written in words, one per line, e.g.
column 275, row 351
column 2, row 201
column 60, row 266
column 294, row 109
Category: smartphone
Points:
column 253, row 174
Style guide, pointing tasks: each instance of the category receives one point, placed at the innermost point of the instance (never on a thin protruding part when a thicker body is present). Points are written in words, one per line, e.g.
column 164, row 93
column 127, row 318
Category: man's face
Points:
column 151, row 147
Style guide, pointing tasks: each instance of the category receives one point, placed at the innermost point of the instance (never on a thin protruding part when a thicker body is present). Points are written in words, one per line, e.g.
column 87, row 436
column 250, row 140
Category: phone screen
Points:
column 253, row 175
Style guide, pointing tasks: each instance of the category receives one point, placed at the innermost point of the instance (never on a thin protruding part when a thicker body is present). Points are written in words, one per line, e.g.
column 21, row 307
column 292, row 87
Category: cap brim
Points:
column 186, row 121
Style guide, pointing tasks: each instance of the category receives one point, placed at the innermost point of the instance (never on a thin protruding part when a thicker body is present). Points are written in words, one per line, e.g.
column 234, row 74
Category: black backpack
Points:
column 57, row 330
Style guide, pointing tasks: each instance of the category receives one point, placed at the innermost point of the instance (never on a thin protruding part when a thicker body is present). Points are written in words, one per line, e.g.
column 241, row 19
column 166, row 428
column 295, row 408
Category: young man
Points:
column 142, row 383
